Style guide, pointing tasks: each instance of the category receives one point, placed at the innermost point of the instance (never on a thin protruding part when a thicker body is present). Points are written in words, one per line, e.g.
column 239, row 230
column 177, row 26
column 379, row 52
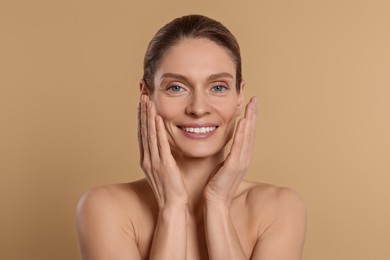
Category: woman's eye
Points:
column 219, row 88
column 175, row 88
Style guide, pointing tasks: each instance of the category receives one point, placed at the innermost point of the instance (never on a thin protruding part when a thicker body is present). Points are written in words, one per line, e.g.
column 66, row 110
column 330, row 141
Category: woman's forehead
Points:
column 200, row 57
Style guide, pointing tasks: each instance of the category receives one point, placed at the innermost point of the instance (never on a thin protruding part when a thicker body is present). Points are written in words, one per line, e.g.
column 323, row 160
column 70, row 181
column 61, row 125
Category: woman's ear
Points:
column 241, row 98
column 143, row 88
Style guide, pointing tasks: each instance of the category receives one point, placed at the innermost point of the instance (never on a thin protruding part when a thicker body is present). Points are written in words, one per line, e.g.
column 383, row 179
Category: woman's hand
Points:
column 224, row 183
column 156, row 160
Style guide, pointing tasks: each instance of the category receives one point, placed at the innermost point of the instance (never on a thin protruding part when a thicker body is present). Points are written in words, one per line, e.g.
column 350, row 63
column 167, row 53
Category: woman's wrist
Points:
column 173, row 208
column 217, row 204
column 213, row 200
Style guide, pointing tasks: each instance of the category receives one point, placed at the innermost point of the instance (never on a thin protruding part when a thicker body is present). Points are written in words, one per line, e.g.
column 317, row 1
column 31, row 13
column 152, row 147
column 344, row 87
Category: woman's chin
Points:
column 196, row 153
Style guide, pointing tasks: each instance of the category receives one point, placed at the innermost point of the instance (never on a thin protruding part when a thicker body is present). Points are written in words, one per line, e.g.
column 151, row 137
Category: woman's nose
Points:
column 198, row 105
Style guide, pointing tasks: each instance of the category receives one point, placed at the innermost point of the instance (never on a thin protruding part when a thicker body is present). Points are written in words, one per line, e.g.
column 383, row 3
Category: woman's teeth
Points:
column 199, row 130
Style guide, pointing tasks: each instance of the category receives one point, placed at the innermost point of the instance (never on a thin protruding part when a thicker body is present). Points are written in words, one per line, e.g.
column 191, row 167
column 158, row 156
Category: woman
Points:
column 193, row 202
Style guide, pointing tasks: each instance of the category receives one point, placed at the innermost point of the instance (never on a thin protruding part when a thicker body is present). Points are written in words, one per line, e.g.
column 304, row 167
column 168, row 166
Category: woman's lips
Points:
column 198, row 131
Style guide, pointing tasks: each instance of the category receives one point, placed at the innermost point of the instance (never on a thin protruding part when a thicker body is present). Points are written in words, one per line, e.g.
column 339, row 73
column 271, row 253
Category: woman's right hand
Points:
column 156, row 159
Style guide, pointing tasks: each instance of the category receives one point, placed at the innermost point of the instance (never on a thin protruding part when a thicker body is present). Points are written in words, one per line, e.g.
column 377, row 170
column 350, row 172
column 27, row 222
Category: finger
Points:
column 232, row 162
column 242, row 138
column 145, row 155
column 236, row 148
column 245, row 141
column 153, row 147
column 144, row 133
column 162, row 140
column 139, row 136
column 152, row 135
column 254, row 121
column 248, row 108
column 249, row 132
column 242, row 135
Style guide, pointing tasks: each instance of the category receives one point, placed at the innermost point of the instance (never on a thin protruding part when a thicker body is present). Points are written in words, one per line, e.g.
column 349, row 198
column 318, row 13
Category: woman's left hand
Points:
column 224, row 183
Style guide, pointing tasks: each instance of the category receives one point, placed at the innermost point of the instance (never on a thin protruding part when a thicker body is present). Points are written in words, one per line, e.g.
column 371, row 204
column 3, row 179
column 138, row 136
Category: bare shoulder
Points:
column 105, row 220
column 277, row 207
column 274, row 197
column 114, row 199
column 279, row 214
column 125, row 201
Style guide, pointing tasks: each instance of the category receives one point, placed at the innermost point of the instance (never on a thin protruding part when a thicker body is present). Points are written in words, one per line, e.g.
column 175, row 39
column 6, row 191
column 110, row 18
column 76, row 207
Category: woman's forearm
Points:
column 170, row 235
column 221, row 237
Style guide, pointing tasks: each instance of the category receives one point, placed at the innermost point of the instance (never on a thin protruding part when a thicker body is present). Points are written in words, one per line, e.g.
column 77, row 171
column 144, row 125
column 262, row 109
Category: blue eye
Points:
column 219, row 88
column 175, row 88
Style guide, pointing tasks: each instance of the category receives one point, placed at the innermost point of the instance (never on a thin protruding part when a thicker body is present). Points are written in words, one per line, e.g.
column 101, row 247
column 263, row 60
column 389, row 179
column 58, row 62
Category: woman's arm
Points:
column 164, row 177
column 221, row 237
column 170, row 237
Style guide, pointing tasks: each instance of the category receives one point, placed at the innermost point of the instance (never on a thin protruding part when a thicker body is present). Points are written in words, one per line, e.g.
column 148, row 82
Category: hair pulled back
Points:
column 189, row 27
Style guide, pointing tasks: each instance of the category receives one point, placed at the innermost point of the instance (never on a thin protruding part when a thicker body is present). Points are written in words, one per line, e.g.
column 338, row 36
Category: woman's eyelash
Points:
column 175, row 88
column 219, row 88
column 178, row 88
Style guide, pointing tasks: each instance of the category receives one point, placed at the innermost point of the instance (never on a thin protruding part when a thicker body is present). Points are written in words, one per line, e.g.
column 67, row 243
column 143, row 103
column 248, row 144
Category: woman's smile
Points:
column 198, row 130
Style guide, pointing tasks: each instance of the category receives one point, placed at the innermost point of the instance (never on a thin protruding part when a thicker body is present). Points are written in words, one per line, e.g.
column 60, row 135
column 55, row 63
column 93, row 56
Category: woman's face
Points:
column 195, row 94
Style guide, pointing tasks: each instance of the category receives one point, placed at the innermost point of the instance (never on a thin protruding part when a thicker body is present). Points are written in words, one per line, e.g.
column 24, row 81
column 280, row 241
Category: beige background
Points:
column 69, row 74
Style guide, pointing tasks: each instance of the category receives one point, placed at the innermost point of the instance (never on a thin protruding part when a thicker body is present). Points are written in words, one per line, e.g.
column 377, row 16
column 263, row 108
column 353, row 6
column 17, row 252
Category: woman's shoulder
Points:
column 259, row 188
column 117, row 192
column 115, row 198
column 275, row 199
column 108, row 219
column 280, row 213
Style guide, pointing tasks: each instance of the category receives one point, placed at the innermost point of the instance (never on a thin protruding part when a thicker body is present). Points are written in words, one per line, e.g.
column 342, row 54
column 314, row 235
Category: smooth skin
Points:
column 193, row 202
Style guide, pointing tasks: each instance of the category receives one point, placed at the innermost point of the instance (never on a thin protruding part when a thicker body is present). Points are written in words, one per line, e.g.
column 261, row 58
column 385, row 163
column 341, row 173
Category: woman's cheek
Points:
column 169, row 108
column 167, row 112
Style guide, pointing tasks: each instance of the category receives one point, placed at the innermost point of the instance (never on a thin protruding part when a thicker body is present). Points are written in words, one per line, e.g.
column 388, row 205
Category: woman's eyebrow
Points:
column 210, row 78
column 220, row 75
column 173, row 75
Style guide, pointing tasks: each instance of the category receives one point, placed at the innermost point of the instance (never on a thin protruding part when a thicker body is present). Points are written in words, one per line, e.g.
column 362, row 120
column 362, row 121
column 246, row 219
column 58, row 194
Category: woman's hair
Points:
column 189, row 27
